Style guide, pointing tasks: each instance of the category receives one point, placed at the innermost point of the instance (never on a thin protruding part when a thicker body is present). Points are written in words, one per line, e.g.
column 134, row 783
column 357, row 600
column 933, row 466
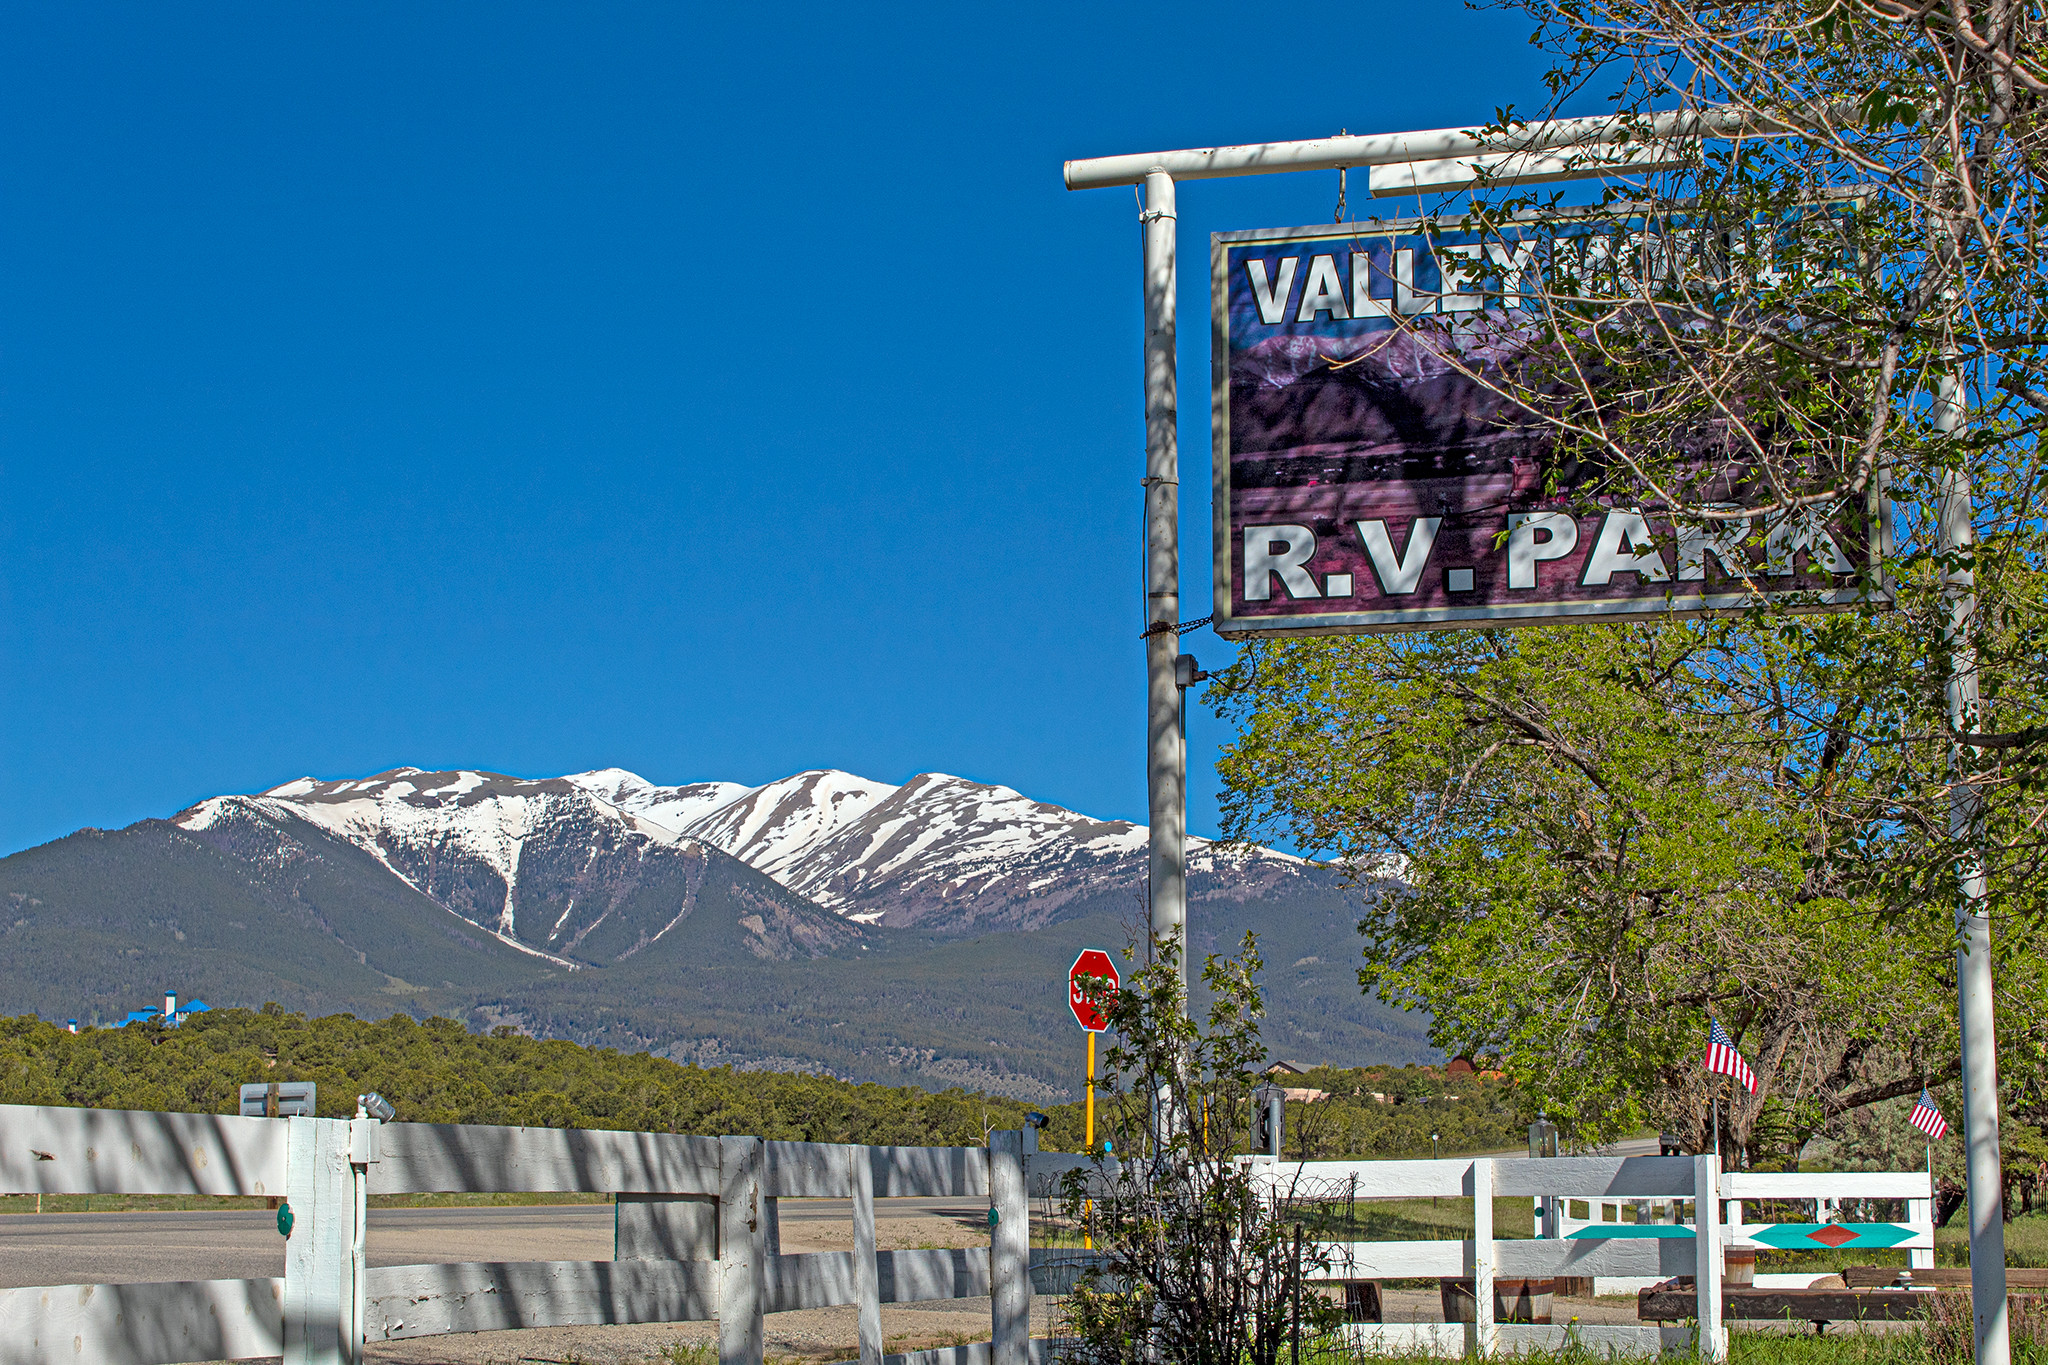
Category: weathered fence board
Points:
column 665, row 1227
column 1515, row 1258
column 937, row 1172
column 46, row 1150
column 806, row 1170
column 1397, row 1260
column 1540, row 1259
column 434, row 1158
column 141, row 1324
column 817, row 1279
column 480, row 1296
column 1825, row 1185
column 1622, row 1177
column 1366, row 1179
column 920, row 1276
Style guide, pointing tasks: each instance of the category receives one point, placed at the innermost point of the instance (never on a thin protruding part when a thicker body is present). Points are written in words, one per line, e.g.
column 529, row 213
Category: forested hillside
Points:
column 440, row 1072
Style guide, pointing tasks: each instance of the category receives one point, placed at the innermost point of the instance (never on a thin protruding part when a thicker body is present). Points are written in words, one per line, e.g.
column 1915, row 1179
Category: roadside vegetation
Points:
column 437, row 1071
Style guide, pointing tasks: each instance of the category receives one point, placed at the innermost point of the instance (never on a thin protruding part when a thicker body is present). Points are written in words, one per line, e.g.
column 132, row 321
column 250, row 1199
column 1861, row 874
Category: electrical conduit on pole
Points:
column 1973, row 917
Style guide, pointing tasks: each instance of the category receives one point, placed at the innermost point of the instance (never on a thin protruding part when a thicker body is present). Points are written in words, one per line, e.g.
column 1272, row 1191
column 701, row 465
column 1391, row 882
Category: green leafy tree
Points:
column 1586, row 841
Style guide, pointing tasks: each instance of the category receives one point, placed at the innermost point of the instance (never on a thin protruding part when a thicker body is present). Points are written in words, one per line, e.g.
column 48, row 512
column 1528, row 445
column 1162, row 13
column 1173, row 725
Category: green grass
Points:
column 687, row 1353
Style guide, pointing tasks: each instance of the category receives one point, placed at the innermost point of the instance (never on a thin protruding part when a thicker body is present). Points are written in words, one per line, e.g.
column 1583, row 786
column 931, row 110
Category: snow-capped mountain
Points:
column 543, row 866
column 713, row 922
column 938, row 851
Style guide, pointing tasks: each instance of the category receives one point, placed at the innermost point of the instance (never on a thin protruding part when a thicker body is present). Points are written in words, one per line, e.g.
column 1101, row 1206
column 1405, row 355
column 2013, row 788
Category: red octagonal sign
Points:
column 1092, row 962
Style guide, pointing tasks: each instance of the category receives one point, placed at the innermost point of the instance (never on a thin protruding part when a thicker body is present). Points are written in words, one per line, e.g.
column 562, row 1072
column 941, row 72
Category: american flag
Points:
column 1927, row 1118
column 1723, row 1059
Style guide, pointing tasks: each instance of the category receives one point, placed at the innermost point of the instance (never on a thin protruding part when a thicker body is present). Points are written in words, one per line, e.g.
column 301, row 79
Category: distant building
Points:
column 170, row 1013
column 1464, row 1066
column 1287, row 1069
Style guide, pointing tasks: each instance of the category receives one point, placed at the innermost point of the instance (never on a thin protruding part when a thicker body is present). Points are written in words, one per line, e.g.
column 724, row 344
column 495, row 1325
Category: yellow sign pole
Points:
column 1088, row 1143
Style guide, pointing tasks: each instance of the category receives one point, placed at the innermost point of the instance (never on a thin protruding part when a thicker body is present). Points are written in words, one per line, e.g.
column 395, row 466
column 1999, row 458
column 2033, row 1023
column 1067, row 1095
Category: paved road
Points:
column 117, row 1248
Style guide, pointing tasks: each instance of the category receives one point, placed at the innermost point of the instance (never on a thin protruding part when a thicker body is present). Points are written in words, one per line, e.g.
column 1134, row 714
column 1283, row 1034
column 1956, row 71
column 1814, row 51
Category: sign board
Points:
column 279, row 1099
column 1368, row 478
column 1091, row 962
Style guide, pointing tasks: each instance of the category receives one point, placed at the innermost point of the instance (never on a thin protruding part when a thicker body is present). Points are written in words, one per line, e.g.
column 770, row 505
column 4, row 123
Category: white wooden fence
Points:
column 697, row 1235
column 1825, row 1192
column 1596, row 1247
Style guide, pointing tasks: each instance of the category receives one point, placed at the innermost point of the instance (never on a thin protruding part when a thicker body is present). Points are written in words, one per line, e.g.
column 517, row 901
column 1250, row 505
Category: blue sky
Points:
column 714, row 393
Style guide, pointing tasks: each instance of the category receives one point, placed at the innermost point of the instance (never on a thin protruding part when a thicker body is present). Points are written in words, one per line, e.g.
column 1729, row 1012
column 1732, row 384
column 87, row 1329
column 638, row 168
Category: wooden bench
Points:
column 1662, row 1303
column 1941, row 1276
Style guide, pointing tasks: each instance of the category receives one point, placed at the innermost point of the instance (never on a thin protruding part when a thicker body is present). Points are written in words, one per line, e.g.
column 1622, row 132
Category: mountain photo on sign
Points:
column 1371, row 474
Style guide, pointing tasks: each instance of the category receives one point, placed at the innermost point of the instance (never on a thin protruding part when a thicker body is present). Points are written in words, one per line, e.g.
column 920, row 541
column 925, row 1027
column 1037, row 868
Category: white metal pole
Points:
column 1165, row 747
column 1166, row 752
column 1973, row 917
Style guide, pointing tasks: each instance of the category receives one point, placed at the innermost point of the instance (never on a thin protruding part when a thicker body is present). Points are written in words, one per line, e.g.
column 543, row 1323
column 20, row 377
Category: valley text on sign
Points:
column 1364, row 482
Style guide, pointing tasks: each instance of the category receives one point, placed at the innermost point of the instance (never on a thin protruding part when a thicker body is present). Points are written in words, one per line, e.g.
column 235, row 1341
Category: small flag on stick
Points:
column 1724, row 1060
column 1927, row 1118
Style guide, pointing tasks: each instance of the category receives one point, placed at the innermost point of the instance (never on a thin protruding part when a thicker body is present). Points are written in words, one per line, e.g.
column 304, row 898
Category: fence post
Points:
column 1920, row 1213
column 867, row 1284
column 1483, row 1332
column 319, row 1255
column 742, row 1242
column 1009, row 1250
column 1706, row 1195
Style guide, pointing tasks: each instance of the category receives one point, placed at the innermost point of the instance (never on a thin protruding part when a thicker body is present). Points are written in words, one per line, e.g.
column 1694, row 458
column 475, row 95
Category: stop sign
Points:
column 1091, row 962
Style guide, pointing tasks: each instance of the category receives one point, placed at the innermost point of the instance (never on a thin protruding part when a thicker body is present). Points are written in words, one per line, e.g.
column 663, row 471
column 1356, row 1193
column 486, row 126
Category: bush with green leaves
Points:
column 1201, row 1261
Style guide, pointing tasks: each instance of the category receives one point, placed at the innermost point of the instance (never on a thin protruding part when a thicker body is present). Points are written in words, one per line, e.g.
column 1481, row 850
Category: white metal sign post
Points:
column 1448, row 159
column 1166, row 753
